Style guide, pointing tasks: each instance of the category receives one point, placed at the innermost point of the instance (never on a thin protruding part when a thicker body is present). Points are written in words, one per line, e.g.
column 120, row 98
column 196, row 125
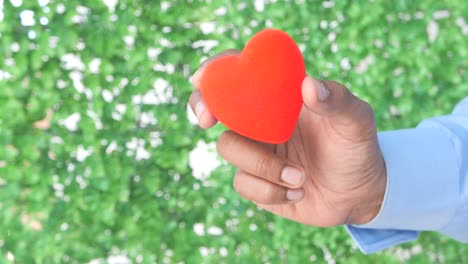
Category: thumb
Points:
column 349, row 115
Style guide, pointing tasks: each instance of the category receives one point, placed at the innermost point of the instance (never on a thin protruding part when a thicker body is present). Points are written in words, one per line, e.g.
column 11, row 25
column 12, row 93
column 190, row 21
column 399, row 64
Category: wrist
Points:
column 367, row 208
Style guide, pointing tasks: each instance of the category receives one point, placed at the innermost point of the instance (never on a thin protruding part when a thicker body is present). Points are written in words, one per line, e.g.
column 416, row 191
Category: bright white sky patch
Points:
column 118, row 260
column 191, row 116
column 27, row 18
column 432, row 31
column 147, row 118
column 72, row 61
column 155, row 139
column 77, row 79
column 345, row 64
column 1, row 10
column 199, row 229
column 44, row 21
column 163, row 90
column 94, row 65
column 364, row 64
column 82, row 153
column 32, row 34
column 165, row 5
column 153, row 53
column 207, row 45
column 111, row 4
column 463, row 26
column 160, row 94
column 203, row 160
column 207, row 27
column 4, row 75
column 71, row 122
column 16, row 3
column 129, row 41
column 328, row 4
column 259, row 5
column 220, row 11
column 60, row 8
column 215, row 231
column 107, row 96
column 119, row 111
column 43, row 2
column 95, row 118
column 137, row 147
column 441, row 14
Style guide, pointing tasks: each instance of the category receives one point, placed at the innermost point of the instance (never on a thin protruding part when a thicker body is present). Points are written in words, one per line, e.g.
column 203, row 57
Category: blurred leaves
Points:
column 108, row 174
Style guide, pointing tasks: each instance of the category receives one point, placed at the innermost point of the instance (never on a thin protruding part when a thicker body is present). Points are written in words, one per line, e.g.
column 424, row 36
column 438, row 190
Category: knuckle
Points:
column 365, row 111
column 367, row 108
column 263, row 167
column 337, row 88
column 368, row 122
column 346, row 96
column 270, row 168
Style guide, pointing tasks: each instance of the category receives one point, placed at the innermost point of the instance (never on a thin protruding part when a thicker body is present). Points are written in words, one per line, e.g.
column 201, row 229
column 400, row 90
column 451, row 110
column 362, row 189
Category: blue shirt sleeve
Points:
column 427, row 183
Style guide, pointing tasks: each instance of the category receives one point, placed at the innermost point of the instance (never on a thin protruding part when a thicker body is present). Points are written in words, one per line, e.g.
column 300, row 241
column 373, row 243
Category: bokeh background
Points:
column 100, row 160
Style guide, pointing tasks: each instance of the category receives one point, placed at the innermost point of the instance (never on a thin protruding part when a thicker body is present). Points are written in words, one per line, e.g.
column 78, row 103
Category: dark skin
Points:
column 331, row 170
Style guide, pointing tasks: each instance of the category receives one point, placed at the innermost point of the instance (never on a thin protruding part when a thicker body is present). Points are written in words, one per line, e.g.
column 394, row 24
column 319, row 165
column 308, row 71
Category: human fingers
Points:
column 353, row 117
column 262, row 191
column 258, row 159
column 205, row 118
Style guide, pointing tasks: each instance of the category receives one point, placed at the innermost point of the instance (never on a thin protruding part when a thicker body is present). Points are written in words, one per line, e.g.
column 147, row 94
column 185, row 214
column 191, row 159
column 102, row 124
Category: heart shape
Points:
column 257, row 93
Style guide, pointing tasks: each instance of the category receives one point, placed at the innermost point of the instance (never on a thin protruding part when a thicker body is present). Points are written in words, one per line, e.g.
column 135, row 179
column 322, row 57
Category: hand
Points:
column 330, row 172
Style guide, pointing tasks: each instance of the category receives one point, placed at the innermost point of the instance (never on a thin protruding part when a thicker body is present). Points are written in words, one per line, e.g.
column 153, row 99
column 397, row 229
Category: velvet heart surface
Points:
column 257, row 93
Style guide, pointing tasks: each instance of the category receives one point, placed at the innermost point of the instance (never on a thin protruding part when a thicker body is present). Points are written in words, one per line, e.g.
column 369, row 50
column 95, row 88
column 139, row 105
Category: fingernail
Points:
column 322, row 91
column 294, row 195
column 199, row 108
column 292, row 175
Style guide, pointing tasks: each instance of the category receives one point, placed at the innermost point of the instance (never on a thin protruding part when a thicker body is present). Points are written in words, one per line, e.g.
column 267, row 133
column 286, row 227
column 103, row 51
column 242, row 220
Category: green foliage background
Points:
column 58, row 208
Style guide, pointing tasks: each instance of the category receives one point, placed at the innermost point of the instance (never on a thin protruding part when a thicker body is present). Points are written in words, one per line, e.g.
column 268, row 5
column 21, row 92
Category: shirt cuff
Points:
column 422, row 190
column 373, row 240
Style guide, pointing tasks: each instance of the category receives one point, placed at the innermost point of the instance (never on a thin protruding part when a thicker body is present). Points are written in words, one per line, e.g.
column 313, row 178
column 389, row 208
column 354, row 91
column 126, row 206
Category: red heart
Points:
column 257, row 93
